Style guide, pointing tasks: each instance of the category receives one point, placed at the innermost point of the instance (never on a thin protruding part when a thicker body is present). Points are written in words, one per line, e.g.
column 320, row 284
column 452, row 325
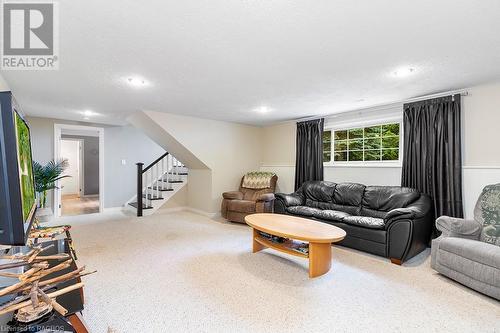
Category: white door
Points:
column 70, row 150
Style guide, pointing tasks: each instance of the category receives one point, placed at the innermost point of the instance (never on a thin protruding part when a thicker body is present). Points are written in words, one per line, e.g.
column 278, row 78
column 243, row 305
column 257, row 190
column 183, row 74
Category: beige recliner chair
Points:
column 256, row 195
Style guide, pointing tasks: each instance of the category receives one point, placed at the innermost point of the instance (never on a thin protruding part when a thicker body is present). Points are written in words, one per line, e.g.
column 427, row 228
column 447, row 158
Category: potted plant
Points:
column 46, row 177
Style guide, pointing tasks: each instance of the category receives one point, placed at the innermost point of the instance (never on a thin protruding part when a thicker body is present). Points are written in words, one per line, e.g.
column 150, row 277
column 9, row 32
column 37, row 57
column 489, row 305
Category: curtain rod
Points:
column 462, row 92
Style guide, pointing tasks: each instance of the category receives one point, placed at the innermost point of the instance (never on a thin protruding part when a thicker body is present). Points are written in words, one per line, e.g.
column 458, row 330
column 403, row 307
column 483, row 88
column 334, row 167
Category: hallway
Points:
column 73, row 205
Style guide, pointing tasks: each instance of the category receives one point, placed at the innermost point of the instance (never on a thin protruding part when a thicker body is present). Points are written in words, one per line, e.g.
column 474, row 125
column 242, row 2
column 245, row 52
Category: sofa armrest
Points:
column 408, row 237
column 409, row 229
column 400, row 213
column 456, row 227
column 233, row 195
column 288, row 200
column 416, row 210
column 266, row 197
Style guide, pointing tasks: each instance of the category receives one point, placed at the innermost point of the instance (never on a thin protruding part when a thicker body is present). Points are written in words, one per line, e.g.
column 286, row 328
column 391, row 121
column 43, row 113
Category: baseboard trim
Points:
column 114, row 209
column 172, row 209
column 187, row 209
column 202, row 212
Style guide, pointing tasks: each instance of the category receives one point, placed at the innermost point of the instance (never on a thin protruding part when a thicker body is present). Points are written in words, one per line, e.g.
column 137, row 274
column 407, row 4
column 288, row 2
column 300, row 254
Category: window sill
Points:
column 362, row 165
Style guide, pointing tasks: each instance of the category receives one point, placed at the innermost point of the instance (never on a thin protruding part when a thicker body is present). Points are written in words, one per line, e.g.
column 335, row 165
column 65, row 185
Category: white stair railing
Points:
column 155, row 179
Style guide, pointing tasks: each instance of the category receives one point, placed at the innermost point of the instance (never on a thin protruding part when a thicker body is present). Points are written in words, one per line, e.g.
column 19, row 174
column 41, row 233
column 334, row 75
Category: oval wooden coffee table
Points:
column 318, row 235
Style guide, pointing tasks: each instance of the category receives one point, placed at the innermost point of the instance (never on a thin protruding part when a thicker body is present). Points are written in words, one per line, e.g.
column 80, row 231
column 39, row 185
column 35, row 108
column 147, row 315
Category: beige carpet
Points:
column 182, row 272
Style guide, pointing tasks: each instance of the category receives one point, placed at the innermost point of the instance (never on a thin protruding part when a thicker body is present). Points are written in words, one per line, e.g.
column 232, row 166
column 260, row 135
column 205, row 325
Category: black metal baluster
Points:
column 139, row 188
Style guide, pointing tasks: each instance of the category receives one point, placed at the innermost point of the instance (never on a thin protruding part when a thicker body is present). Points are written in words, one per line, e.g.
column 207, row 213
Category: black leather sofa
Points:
column 390, row 221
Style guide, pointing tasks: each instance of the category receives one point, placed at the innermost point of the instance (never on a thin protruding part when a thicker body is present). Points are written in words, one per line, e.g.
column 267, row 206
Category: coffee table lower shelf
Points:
column 282, row 247
column 320, row 254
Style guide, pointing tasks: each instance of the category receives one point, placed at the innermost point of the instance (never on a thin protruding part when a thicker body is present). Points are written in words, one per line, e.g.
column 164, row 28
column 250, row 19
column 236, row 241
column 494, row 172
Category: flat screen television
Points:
column 17, row 184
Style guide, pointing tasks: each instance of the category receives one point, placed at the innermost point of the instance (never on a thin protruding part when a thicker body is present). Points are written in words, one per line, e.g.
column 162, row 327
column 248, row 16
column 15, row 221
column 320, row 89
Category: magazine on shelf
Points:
column 293, row 245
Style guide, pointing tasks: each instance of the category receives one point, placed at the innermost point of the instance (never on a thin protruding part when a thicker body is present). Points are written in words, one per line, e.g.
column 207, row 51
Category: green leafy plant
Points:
column 46, row 177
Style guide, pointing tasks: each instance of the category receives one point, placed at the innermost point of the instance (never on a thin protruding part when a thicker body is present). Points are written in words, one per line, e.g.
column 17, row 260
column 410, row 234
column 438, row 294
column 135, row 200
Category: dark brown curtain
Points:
column 432, row 155
column 309, row 157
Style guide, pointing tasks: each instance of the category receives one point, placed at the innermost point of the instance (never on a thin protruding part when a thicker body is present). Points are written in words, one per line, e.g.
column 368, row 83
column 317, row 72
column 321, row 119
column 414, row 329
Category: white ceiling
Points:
column 222, row 59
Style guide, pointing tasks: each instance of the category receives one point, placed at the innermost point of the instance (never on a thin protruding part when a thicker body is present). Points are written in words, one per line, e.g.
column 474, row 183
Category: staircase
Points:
column 157, row 183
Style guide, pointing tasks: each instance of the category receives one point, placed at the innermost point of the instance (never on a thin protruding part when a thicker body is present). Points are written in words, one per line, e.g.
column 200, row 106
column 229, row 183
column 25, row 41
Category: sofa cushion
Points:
column 320, row 204
column 330, row 215
column 378, row 200
column 348, row 194
column 318, row 194
column 243, row 206
column 387, row 198
column 347, row 197
column 318, row 190
column 303, row 210
column 484, row 253
column 365, row 221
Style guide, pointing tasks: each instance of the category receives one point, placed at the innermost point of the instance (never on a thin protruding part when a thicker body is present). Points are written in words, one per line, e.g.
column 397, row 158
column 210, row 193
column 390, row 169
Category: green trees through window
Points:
column 374, row 143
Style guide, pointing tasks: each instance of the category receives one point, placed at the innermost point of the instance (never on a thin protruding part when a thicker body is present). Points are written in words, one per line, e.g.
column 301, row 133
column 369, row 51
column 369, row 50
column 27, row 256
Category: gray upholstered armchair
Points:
column 468, row 251
column 255, row 195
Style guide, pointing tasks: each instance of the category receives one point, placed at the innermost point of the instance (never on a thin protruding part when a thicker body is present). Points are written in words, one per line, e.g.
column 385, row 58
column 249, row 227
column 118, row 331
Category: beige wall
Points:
column 481, row 122
column 180, row 199
column 279, row 144
column 228, row 150
column 200, row 194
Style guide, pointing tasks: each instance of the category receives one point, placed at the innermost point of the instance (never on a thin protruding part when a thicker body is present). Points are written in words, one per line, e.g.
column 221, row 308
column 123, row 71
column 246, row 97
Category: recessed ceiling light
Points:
column 137, row 82
column 263, row 109
column 404, row 71
column 89, row 113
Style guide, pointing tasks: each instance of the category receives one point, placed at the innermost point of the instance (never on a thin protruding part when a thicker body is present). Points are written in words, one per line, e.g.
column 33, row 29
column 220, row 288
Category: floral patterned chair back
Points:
column 487, row 212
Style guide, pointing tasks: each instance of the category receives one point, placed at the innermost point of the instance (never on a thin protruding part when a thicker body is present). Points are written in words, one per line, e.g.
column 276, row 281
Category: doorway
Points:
column 81, row 192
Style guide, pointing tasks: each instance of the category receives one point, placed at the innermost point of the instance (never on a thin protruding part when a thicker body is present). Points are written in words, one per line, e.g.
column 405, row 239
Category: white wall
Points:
column 120, row 143
column 133, row 146
column 70, row 151
column 481, row 157
column 364, row 175
column 3, row 84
